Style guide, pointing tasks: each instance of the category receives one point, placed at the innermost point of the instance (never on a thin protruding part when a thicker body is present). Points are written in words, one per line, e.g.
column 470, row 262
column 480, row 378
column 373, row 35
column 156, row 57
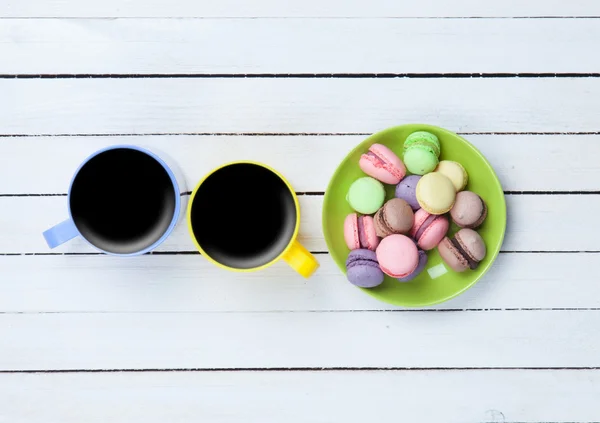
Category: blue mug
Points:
column 123, row 200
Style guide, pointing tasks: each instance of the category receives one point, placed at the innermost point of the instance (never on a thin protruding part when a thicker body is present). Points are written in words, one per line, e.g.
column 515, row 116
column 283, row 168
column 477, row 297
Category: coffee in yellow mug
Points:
column 244, row 216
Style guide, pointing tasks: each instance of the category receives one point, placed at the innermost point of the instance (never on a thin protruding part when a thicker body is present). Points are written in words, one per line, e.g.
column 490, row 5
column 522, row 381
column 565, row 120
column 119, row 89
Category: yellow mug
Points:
column 244, row 216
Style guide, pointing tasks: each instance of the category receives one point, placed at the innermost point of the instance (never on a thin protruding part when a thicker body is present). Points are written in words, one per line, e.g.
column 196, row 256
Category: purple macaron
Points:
column 419, row 269
column 407, row 190
column 363, row 269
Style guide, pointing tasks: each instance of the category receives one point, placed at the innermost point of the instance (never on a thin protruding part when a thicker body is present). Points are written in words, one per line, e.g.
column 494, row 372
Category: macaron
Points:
column 397, row 255
column 418, row 270
column 382, row 164
column 464, row 251
column 455, row 172
column 421, row 152
column 429, row 229
column 366, row 195
column 436, row 193
column 469, row 210
column 359, row 232
column 395, row 217
column 407, row 190
column 362, row 269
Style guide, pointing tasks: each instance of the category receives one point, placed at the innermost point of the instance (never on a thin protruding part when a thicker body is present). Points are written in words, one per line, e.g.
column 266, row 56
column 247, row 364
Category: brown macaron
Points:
column 395, row 217
column 464, row 251
column 469, row 210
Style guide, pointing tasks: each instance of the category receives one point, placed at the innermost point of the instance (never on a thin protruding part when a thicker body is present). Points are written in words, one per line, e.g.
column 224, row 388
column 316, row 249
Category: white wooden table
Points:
column 168, row 337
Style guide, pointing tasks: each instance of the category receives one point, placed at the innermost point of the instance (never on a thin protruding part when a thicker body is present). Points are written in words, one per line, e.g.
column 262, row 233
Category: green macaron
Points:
column 421, row 152
column 366, row 195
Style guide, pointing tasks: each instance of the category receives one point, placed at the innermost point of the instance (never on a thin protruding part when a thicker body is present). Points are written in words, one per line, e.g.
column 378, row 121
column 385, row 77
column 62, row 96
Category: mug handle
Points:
column 301, row 260
column 60, row 233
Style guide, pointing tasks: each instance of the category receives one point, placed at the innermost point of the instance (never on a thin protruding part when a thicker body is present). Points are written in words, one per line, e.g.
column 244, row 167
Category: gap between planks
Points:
column 183, row 252
column 270, row 134
column 367, row 75
column 302, row 369
column 322, row 193
column 112, row 18
column 401, row 310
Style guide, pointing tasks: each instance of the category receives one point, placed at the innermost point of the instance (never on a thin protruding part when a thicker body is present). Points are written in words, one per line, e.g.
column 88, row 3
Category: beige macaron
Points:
column 436, row 193
column 455, row 172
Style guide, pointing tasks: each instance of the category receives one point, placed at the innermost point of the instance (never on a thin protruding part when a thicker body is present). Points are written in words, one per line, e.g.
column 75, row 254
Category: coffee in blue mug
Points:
column 123, row 200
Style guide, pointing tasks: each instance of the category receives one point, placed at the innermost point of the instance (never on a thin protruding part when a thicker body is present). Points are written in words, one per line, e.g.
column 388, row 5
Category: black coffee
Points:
column 243, row 216
column 122, row 201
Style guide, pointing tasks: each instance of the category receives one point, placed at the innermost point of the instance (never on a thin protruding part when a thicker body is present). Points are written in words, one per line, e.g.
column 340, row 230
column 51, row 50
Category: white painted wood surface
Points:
column 338, row 105
column 298, row 46
column 532, row 225
column 188, row 284
column 468, row 339
column 308, row 8
column 538, row 308
column 501, row 396
column 522, row 162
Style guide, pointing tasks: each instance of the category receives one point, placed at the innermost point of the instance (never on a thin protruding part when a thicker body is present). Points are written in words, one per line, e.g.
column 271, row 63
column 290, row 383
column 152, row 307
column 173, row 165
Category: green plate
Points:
column 423, row 290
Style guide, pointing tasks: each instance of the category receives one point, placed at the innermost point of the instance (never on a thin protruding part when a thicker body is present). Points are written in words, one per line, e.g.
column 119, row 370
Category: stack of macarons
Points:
column 392, row 237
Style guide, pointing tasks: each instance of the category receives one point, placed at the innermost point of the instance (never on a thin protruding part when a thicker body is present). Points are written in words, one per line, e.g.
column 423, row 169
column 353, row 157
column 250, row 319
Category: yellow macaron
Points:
column 455, row 172
column 436, row 193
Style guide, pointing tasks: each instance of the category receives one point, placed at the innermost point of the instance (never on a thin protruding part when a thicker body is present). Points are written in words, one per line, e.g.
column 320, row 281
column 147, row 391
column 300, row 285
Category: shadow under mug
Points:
column 124, row 200
column 244, row 216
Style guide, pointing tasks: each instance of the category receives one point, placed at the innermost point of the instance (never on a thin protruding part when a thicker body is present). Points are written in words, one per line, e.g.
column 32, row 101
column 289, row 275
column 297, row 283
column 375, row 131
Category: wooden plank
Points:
column 535, row 223
column 310, row 8
column 141, row 46
column 62, row 341
column 184, row 283
column 364, row 105
column 511, row 156
column 219, row 397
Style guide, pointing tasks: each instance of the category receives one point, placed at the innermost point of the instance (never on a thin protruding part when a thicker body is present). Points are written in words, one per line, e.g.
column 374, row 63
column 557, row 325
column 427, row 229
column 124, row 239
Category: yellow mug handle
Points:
column 301, row 260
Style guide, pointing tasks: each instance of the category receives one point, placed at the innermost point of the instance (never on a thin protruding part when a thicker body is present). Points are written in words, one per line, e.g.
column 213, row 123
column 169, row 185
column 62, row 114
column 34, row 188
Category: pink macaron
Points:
column 382, row 164
column 359, row 232
column 398, row 256
column 429, row 229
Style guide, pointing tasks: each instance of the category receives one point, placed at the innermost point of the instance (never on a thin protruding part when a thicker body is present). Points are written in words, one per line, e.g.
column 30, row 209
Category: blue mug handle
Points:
column 61, row 233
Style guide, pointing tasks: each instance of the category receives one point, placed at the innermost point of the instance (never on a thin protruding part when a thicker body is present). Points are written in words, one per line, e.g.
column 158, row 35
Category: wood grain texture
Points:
column 312, row 8
column 299, row 340
column 522, row 162
column 188, row 283
column 297, row 105
column 220, row 397
column 140, row 46
column 533, row 225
